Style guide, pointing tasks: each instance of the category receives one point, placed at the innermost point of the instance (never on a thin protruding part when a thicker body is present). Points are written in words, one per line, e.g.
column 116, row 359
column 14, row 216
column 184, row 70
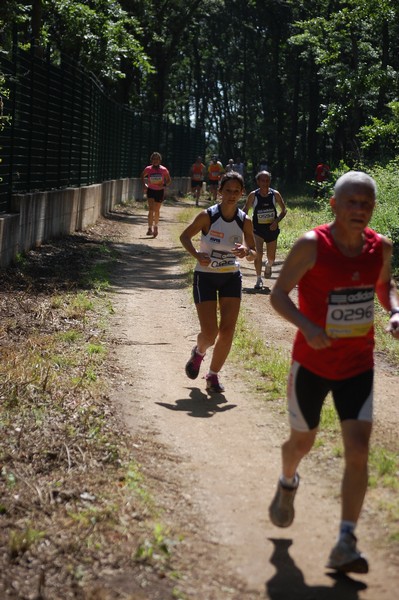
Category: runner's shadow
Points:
column 200, row 404
column 288, row 583
column 265, row 291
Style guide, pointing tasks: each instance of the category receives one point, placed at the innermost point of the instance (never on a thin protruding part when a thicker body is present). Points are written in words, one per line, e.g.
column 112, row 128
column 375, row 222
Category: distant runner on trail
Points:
column 321, row 175
column 215, row 172
column 338, row 268
column 322, row 172
column 217, row 276
column 155, row 178
column 197, row 174
column 264, row 201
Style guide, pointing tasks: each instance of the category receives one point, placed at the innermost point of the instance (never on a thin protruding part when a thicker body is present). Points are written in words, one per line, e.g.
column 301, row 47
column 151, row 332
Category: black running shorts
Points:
column 207, row 286
column 267, row 234
column 157, row 195
column 353, row 397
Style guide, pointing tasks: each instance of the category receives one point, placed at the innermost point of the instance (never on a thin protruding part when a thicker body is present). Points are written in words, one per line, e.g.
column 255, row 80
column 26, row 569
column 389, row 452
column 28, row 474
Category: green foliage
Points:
column 269, row 363
column 380, row 139
column 97, row 34
column 386, row 216
column 342, row 44
column 292, row 81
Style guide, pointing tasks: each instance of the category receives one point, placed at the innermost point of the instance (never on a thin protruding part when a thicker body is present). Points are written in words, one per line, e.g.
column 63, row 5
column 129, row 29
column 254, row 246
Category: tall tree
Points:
column 292, row 81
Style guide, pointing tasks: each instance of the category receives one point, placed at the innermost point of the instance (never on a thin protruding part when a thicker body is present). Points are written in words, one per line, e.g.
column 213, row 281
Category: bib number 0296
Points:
column 352, row 314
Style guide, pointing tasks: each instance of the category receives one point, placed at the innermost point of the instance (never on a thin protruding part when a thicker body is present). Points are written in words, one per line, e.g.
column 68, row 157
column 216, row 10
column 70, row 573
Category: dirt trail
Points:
column 221, row 455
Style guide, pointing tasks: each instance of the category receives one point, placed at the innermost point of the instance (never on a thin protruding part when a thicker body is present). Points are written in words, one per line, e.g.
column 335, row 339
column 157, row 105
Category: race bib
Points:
column 223, row 261
column 266, row 216
column 197, row 176
column 156, row 179
column 350, row 312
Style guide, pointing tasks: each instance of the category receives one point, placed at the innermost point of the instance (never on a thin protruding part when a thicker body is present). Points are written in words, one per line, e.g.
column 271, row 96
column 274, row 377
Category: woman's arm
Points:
column 200, row 223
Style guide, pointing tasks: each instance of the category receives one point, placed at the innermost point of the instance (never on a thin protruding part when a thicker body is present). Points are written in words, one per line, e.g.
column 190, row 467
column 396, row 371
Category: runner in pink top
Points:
column 155, row 178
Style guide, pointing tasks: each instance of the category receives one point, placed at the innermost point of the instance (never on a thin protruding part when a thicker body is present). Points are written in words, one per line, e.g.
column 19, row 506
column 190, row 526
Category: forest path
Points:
column 221, row 454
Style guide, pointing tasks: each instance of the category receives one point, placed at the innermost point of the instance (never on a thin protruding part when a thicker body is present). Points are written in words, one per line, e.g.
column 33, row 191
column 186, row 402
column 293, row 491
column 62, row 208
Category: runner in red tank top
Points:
column 197, row 174
column 338, row 268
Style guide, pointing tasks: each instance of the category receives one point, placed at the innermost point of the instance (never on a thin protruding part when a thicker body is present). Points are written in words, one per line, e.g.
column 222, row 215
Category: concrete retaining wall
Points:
column 41, row 216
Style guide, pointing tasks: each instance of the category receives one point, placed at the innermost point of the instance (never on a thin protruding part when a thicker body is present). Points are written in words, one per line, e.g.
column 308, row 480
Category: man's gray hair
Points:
column 354, row 178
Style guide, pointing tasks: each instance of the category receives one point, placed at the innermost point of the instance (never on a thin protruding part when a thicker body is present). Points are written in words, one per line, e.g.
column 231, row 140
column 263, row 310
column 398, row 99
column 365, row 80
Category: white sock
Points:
column 290, row 482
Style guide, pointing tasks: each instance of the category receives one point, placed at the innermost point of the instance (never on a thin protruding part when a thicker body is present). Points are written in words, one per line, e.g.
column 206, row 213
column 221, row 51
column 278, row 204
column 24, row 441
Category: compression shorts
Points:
column 353, row 397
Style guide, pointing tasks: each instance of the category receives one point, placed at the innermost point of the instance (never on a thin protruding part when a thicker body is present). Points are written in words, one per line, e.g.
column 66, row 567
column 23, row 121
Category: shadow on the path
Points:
column 199, row 404
column 141, row 266
column 265, row 291
column 288, row 583
column 145, row 263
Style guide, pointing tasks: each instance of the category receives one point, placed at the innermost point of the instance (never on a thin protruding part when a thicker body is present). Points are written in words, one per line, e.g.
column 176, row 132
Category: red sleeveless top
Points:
column 338, row 294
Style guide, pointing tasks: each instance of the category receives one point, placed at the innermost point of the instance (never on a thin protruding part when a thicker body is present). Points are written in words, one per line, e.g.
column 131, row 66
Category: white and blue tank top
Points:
column 220, row 240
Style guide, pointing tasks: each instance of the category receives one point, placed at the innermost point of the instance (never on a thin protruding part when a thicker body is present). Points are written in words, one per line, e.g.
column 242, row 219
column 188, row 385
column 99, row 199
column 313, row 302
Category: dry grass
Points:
column 75, row 511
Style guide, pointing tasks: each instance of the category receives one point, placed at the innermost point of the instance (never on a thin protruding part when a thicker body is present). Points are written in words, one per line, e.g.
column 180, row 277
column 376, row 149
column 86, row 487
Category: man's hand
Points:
column 393, row 326
column 316, row 337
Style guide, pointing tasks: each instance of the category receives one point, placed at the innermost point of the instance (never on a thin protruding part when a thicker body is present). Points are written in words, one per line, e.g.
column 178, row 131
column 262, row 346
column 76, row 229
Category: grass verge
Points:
column 77, row 515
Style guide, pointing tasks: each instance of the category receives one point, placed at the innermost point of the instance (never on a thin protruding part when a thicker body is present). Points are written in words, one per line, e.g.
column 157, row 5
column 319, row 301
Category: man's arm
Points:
column 249, row 202
column 386, row 289
column 300, row 260
column 283, row 210
column 281, row 203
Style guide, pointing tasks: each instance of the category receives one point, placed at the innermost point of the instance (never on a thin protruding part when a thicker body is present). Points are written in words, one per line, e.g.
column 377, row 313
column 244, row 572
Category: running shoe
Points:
column 268, row 271
column 149, row 231
column 259, row 284
column 155, row 233
column 194, row 364
column 346, row 558
column 213, row 385
column 281, row 510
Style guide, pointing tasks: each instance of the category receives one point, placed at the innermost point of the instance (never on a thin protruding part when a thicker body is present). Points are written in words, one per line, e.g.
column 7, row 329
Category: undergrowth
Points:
column 73, row 500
